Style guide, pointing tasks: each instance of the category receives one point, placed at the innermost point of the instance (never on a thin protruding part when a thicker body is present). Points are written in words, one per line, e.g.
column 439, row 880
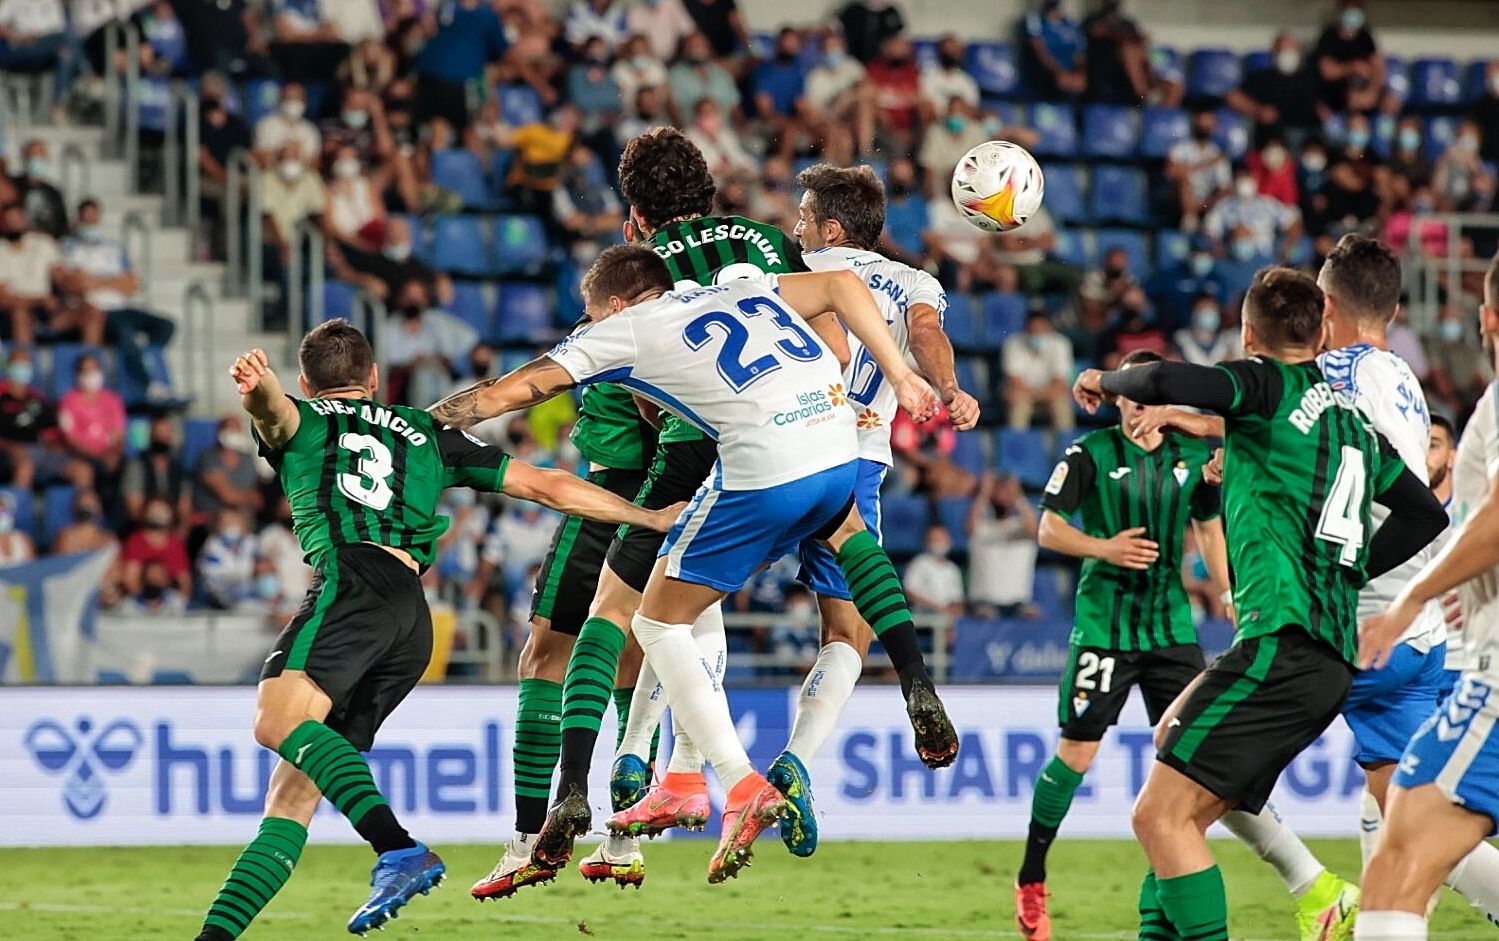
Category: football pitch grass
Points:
column 848, row 890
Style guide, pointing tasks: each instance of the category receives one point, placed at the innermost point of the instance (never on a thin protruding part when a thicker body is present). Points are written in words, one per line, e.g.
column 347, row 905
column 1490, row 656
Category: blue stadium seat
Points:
column 1397, row 77
column 925, row 51
column 20, row 499
column 973, row 378
column 903, row 522
column 569, row 284
column 1003, row 314
column 1232, row 133
column 959, row 323
column 520, row 244
column 1166, row 62
column 1171, row 246
column 992, row 65
column 525, row 316
column 57, row 512
column 1024, row 454
column 969, row 452
column 1057, row 129
column 1071, row 247
column 952, row 512
column 198, row 435
column 1440, row 132
column 134, row 390
column 1212, row 74
column 458, row 245
column 1161, row 129
column 1009, row 113
column 763, row 45
column 339, row 299
column 1434, row 85
column 470, row 305
column 1119, row 194
column 1474, row 79
column 1134, row 244
column 317, row 93
column 1064, row 193
column 65, row 358
column 1110, row 131
column 519, row 104
column 461, row 172
column 1258, row 60
column 262, row 96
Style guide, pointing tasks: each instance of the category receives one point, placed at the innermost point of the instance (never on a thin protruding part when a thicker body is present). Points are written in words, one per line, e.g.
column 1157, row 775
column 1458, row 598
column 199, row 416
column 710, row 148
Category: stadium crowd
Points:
column 458, row 158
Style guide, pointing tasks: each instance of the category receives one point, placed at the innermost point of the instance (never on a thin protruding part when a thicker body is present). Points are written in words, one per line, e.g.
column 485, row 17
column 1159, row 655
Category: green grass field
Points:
column 848, row 890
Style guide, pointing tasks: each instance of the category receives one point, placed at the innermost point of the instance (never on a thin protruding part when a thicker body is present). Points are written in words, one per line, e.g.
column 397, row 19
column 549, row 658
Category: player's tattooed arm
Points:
column 275, row 416
column 531, row 384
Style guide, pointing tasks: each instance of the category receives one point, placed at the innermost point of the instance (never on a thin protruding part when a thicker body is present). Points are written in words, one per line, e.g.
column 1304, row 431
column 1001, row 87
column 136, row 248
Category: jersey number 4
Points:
column 371, row 486
column 738, row 374
column 1342, row 519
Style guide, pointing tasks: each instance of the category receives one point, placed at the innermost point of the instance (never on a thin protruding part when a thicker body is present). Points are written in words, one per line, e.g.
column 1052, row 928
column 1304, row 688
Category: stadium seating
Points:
column 1258, row 60
column 1064, row 192
column 1171, row 245
column 470, row 305
column 65, row 358
column 198, row 435
column 959, row 322
column 519, row 104
column 903, row 522
column 461, row 172
column 969, row 450
column 1003, row 314
column 25, row 507
column 1161, row 129
column 1133, row 243
column 57, row 511
column 1434, row 85
column 1397, row 77
column 1056, row 129
column 1233, row 133
column 339, row 300
column 1474, row 79
column 1025, row 454
column 1071, row 248
column 1440, row 132
column 1212, row 74
column 459, row 246
column 992, row 65
column 519, row 245
column 1119, row 195
column 973, row 378
column 952, row 513
column 1110, row 131
column 525, row 315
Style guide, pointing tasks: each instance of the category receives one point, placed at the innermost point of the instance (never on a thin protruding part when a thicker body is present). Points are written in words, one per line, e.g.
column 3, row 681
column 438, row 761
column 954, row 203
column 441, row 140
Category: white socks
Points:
column 825, row 692
column 697, row 698
column 1274, row 842
column 1369, row 821
column 1389, row 926
column 1476, row 878
column 648, row 702
column 708, row 631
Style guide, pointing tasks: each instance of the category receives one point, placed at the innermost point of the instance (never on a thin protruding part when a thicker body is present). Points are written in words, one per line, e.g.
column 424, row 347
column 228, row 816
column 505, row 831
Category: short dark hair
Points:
column 854, row 196
column 335, row 355
column 1140, row 358
column 1444, row 423
column 663, row 176
column 1364, row 274
column 625, row 271
column 1284, row 307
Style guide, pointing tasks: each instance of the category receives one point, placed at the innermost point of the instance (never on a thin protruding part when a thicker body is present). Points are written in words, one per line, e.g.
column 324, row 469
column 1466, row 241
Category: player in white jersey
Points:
column 785, row 474
column 1444, row 799
column 1440, row 456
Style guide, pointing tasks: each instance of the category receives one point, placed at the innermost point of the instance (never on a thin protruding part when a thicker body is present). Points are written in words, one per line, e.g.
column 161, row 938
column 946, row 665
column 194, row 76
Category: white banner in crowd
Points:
column 47, row 617
column 165, row 765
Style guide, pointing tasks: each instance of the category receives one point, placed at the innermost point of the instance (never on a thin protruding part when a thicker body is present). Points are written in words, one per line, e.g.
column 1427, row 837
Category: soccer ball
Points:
column 997, row 186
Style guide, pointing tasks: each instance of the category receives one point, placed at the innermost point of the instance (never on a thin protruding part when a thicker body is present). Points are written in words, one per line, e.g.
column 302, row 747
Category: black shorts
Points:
column 363, row 634
column 680, row 468
column 1098, row 680
column 1257, row 707
column 570, row 572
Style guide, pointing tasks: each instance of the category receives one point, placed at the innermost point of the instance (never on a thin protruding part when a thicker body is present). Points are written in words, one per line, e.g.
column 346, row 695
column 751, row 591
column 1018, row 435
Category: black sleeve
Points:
column 469, row 462
column 1416, row 518
column 1205, row 387
column 1070, row 482
column 1207, row 502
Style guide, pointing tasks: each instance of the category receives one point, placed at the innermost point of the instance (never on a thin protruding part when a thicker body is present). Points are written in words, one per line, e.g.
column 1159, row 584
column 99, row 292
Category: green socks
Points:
column 1050, row 801
column 538, row 743
column 1196, row 905
column 1154, row 925
column 876, row 592
column 258, row 874
column 585, row 696
column 342, row 774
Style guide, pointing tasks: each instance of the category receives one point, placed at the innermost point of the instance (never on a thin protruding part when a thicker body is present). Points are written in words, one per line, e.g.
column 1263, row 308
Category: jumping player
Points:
column 363, row 480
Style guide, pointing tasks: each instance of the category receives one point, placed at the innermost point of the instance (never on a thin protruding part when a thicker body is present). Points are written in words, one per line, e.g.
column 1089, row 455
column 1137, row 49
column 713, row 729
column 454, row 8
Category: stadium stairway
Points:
column 197, row 356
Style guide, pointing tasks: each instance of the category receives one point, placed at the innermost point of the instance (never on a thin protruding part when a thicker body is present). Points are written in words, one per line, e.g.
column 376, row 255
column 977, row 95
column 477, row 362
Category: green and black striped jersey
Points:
column 1113, row 484
column 714, row 249
column 1301, row 468
column 358, row 471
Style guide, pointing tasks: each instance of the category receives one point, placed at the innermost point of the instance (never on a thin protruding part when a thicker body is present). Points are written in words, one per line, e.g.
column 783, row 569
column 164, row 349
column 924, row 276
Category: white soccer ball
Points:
column 997, row 186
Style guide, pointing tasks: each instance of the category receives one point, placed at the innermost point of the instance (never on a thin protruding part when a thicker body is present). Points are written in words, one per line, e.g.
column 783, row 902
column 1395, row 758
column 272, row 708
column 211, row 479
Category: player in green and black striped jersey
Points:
column 1135, row 496
column 363, row 480
column 1301, row 467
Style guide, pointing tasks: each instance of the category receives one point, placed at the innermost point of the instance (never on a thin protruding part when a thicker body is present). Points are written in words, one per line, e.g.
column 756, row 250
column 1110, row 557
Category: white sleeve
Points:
column 599, row 352
column 926, row 289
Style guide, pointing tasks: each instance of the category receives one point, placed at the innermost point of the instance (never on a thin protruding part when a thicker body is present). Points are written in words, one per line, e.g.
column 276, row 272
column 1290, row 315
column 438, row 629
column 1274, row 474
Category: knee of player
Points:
column 272, row 728
column 1077, row 755
column 545, row 656
column 1152, row 818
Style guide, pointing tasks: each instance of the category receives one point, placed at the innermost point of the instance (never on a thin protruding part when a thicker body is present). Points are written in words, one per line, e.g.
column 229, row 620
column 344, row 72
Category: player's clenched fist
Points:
column 248, row 369
column 962, row 410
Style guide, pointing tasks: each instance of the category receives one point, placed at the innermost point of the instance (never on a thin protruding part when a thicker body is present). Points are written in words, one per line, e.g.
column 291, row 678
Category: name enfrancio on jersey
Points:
column 730, row 232
column 372, row 414
column 814, row 407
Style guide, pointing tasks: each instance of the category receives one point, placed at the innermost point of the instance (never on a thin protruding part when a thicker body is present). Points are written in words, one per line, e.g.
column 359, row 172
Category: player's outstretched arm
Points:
column 577, row 497
column 933, row 353
column 815, row 293
column 1157, row 384
column 275, row 416
column 533, row 383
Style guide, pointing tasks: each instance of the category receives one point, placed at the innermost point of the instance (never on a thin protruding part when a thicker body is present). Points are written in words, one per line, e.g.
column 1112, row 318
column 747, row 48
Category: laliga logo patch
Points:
column 1080, row 704
column 82, row 756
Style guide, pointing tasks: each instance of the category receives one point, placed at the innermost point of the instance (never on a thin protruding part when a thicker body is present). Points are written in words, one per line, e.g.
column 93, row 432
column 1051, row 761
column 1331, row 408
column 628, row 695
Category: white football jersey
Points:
column 736, row 362
column 1477, row 462
column 1385, row 390
column 896, row 287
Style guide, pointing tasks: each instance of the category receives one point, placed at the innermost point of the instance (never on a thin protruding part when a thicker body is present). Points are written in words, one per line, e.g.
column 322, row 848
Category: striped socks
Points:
column 1154, row 925
column 876, row 592
column 585, row 695
column 258, row 874
column 538, row 743
column 342, row 774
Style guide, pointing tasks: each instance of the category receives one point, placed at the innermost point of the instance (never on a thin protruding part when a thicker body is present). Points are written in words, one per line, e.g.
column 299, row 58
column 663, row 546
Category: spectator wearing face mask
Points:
column 1241, row 259
column 586, row 206
column 1312, row 184
column 1274, row 227
column 933, row 582
column 1002, row 548
column 287, row 125
column 1348, row 62
column 383, row 274
column 1135, row 327
column 31, row 276
column 1174, row 289
column 1458, row 368
column 360, row 125
column 220, row 133
column 155, row 543
column 948, row 78
column 945, row 142
column 1351, row 174
column 290, row 193
column 838, row 94
column 225, row 473
column 85, row 532
column 695, row 76
column 1038, row 371
column 1199, row 169
column 1408, row 168
column 1204, row 341
column 778, row 92
column 353, row 215
column 1117, row 60
column 35, row 38
column 25, row 413
column 421, row 346
column 1274, row 172
column 719, row 142
column 1104, row 288
column 906, row 214
column 1282, row 98
column 39, row 197
column 639, row 65
column 226, row 563
column 661, row 25
column 1461, row 181
column 156, row 472
column 280, row 558
column 15, row 546
column 92, row 418
column 897, row 93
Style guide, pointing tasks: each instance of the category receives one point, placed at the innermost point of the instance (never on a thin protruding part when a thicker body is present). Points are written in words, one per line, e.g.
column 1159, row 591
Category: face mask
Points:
column 1051, row 6
column 161, row 448
column 91, row 381
column 1352, row 19
column 835, row 58
column 1287, row 61
column 346, row 168
column 1113, row 271
column 1423, row 204
column 478, row 367
column 1314, row 162
column 411, row 311
column 7, row 522
column 950, row 62
column 1274, row 157
column 939, row 549
column 356, row 119
column 14, row 235
column 710, row 123
column 1033, row 342
column 1201, row 132
column 290, row 170
column 90, row 233
column 1468, row 142
column 152, row 592
column 956, row 123
column 158, row 519
column 20, row 373
column 86, row 514
column 1358, row 138
column 1243, row 249
column 36, row 167
column 900, row 190
column 1245, row 188
column 461, row 496
column 232, row 439
column 398, row 253
column 232, row 533
column 1452, row 330
column 1202, row 265
column 267, row 586
column 641, row 62
column 293, row 110
column 1206, row 320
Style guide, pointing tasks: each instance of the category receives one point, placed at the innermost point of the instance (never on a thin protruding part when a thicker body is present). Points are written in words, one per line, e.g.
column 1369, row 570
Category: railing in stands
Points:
column 141, row 252
column 370, row 313
column 485, row 645
column 74, row 175
column 306, row 274
column 199, row 342
column 15, row 106
column 180, row 168
column 1430, row 276
column 243, row 262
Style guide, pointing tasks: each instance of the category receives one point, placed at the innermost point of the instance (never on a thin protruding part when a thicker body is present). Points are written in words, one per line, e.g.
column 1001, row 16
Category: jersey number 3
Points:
column 371, row 486
column 740, row 375
column 1341, row 521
